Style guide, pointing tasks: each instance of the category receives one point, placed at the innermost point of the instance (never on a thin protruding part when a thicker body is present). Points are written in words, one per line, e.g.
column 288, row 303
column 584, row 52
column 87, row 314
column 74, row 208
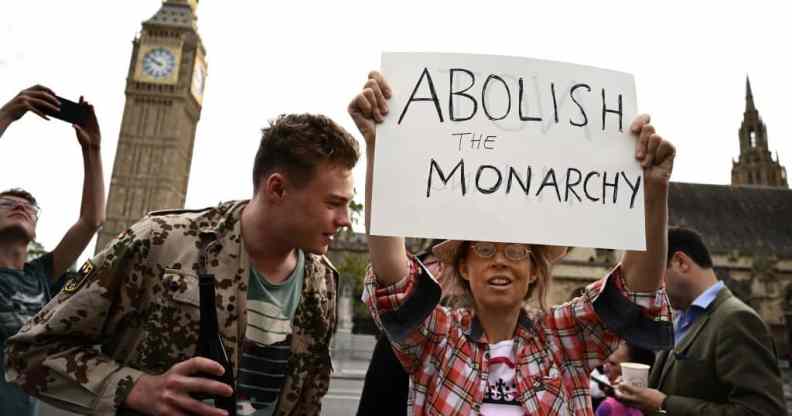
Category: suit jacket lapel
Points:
column 693, row 332
column 671, row 355
column 658, row 369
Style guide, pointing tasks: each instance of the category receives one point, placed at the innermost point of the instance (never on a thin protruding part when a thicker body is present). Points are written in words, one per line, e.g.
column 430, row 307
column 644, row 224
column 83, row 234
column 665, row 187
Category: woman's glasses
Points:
column 513, row 252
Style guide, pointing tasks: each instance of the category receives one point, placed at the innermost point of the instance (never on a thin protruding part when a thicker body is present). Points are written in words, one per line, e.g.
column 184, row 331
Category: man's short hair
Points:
column 297, row 143
column 689, row 242
column 20, row 193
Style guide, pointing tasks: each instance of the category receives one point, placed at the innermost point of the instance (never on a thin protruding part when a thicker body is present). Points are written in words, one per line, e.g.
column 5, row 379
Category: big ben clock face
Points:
column 159, row 62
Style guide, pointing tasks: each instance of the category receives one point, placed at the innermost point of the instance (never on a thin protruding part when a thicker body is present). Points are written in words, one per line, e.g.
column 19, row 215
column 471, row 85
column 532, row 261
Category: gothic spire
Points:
column 749, row 102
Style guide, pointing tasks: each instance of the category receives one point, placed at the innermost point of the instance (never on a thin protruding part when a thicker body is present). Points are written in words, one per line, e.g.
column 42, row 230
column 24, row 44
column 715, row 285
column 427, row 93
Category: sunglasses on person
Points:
column 9, row 204
column 513, row 252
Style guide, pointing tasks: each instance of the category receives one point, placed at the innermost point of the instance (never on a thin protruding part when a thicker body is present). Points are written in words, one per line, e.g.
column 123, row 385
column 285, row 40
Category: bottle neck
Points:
column 208, row 310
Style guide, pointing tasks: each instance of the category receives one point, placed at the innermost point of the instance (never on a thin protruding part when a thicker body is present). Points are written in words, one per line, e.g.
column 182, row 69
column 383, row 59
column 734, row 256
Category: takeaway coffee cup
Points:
column 635, row 374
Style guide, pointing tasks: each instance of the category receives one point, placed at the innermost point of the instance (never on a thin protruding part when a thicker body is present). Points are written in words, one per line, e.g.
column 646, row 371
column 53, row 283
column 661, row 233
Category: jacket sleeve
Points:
column 316, row 386
column 587, row 329
column 317, row 383
column 58, row 355
column 745, row 360
column 409, row 314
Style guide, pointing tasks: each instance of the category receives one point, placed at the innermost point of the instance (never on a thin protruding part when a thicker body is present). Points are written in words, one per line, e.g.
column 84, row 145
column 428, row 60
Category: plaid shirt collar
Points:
column 471, row 327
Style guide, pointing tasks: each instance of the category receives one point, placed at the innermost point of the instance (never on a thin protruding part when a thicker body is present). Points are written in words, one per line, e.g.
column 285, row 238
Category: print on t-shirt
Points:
column 265, row 357
column 500, row 397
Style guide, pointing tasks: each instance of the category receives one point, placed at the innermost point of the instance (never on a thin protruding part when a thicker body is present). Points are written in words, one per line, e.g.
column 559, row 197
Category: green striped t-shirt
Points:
column 266, row 347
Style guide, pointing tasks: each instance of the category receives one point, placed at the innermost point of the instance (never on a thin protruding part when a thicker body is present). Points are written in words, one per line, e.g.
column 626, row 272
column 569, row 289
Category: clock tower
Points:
column 164, row 94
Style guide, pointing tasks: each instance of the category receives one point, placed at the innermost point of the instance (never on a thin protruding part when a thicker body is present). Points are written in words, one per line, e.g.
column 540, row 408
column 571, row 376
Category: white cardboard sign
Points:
column 496, row 148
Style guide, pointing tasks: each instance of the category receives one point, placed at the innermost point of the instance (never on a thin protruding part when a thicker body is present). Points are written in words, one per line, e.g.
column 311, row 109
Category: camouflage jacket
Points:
column 134, row 310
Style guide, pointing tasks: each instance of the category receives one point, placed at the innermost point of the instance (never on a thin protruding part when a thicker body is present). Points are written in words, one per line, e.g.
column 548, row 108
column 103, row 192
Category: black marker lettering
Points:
column 546, row 182
column 526, row 186
column 608, row 110
column 484, row 97
column 634, row 187
column 494, row 187
column 434, row 166
column 606, row 185
column 475, row 142
column 461, row 136
column 425, row 73
column 555, row 101
column 489, row 139
column 570, row 185
column 461, row 93
column 582, row 111
column 585, row 186
column 520, row 104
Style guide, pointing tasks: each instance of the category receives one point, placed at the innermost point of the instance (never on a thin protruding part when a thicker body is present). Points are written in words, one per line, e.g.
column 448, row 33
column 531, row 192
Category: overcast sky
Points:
column 689, row 59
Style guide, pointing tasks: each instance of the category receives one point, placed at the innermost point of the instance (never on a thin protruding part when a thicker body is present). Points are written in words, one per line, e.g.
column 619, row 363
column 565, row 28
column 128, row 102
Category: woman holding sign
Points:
column 496, row 357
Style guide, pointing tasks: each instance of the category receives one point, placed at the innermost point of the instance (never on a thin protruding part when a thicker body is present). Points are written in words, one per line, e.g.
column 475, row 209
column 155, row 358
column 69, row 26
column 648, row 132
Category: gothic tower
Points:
column 756, row 166
column 164, row 93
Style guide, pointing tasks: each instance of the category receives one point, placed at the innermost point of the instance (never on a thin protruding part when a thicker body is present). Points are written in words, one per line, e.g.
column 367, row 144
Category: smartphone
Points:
column 70, row 112
column 604, row 384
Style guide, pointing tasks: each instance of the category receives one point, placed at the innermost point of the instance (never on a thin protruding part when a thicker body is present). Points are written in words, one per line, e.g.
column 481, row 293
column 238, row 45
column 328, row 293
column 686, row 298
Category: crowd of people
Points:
column 465, row 326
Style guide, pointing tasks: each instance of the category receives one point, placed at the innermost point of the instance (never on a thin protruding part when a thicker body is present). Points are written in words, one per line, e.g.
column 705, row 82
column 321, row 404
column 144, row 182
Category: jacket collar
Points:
column 475, row 332
column 701, row 321
column 226, row 217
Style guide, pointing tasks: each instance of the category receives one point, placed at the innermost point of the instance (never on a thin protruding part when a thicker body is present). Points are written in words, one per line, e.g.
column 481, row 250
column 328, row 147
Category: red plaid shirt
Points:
column 446, row 352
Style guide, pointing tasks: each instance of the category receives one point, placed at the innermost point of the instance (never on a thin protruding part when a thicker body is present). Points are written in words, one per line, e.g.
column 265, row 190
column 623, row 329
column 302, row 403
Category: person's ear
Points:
column 683, row 261
column 673, row 261
column 273, row 187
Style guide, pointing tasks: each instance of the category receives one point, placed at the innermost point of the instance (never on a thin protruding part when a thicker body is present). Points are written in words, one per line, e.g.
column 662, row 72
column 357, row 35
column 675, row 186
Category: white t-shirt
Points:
column 500, row 398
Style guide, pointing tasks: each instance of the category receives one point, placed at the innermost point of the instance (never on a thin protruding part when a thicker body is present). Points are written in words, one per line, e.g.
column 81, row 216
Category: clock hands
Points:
column 159, row 62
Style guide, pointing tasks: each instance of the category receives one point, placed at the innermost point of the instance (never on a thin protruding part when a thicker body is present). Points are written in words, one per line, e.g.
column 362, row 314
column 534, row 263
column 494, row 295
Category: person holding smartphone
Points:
column 626, row 352
column 25, row 287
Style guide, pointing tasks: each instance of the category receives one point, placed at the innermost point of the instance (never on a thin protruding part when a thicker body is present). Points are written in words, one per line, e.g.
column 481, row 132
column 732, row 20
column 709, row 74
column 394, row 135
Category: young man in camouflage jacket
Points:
column 121, row 337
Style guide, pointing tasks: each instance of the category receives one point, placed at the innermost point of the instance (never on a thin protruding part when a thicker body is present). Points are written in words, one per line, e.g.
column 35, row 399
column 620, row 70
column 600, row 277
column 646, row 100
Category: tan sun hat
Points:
column 447, row 251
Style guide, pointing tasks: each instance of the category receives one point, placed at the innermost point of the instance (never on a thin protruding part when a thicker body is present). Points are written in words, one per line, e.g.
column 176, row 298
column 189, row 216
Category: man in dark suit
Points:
column 724, row 361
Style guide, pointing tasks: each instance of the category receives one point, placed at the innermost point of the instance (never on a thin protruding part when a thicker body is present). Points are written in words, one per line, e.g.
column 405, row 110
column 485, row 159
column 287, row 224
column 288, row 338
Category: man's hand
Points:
column 646, row 399
column 37, row 99
column 88, row 135
column 655, row 154
column 169, row 394
column 370, row 106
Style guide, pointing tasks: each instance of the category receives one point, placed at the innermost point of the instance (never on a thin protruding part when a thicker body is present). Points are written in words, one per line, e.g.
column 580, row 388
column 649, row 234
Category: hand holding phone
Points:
column 603, row 383
column 70, row 112
column 37, row 99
